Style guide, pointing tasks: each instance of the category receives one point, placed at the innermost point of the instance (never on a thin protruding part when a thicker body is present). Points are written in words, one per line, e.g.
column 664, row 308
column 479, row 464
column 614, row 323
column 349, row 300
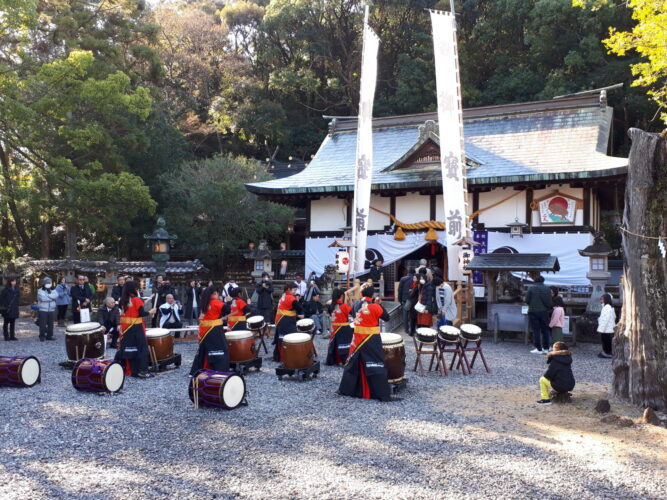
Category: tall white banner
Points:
column 364, row 163
column 450, row 122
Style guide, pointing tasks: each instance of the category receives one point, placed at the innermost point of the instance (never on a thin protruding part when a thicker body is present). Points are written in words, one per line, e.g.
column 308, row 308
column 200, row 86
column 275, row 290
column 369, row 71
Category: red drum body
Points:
column 298, row 352
column 96, row 375
column 161, row 343
column 217, row 389
column 19, row 371
column 394, row 357
column 241, row 345
column 84, row 340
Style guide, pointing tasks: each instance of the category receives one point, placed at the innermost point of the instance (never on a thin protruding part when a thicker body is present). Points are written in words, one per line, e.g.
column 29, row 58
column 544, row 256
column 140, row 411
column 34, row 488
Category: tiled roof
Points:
column 514, row 262
column 130, row 267
column 559, row 140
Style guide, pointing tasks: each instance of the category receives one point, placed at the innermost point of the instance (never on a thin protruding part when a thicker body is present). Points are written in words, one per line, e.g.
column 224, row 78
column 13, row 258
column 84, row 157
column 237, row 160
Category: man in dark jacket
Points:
column 558, row 377
column 375, row 272
column 82, row 296
column 117, row 289
column 404, row 286
column 9, row 307
column 264, row 291
column 108, row 315
column 538, row 299
column 313, row 309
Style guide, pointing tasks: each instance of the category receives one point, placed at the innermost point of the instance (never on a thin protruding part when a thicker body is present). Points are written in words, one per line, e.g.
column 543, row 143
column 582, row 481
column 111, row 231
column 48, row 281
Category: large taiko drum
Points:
column 217, row 389
column 98, row 375
column 426, row 335
column 160, row 344
column 255, row 322
column 84, row 340
column 471, row 332
column 305, row 325
column 298, row 352
column 19, row 371
column 241, row 345
column 394, row 356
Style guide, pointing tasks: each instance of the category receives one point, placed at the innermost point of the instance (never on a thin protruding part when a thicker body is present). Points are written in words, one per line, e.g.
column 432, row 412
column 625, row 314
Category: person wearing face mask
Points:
column 264, row 291
column 46, row 302
column 425, row 292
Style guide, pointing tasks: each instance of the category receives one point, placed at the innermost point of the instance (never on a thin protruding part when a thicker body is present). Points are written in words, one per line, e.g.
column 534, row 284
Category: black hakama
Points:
column 364, row 375
column 132, row 352
column 286, row 324
column 213, row 353
column 339, row 345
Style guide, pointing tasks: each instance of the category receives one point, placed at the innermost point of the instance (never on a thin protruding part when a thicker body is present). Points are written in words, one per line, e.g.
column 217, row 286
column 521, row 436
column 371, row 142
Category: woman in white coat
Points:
column 606, row 324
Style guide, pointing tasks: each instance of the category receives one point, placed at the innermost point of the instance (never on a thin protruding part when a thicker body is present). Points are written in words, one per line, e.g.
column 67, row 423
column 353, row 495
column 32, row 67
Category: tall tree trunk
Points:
column 5, row 163
column 46, row 239
column 640, row 342
column 70, row 240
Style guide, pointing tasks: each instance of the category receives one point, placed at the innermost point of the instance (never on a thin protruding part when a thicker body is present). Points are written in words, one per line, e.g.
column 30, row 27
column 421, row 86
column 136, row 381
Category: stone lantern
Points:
column 598, row 272
column 516, row 228
column 262, row 260
column 160, row 242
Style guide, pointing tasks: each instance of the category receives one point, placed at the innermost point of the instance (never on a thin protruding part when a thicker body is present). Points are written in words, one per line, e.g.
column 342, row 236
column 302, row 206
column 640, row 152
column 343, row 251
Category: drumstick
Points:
column 76, row 348
column 84, row 351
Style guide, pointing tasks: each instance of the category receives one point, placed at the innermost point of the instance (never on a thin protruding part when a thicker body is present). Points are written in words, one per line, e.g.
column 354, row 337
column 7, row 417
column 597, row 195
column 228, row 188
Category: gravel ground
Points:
column 450, row 437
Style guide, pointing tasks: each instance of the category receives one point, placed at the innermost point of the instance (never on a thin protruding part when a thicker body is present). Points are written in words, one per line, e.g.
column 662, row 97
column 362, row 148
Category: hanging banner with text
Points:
column 364, row 162
column 450, row 123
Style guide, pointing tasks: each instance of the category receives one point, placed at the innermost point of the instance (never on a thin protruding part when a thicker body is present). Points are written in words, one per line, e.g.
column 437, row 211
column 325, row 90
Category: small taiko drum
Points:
column 84, row 340
column 394, row 356
column 305, row 325
column 217, row 389
column 98, row 375
column 471, row 332
column 17, row 371
column 298, row 352
column 160, row 344
column 426, row 334
column 255, row 322
column 449, row 334
column 241, row 345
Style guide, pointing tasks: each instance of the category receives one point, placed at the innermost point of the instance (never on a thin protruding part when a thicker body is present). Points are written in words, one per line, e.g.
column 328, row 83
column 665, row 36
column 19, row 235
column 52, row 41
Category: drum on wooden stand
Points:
column 449, row 334
column 84, row 340
column 394, row 357
column 160, row 344
column 18, row 371
column 98, row 375
column 241, row 344
column 298, row 352
column 217, row 389
column 427, row 335
column 255, row 323
column 305, row 325
column 471, row 332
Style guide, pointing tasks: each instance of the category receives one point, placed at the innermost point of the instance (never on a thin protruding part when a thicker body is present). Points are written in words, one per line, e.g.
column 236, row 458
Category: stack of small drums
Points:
column 426, row 335
column 298, row 352
column 19, row 371
column 84, row 340
column 217, row 389
column 305, row 325
column 394, row 357
column 471, row 332
column 449, row 334
column 241, row 344
column 97, row 375
column 160, row 344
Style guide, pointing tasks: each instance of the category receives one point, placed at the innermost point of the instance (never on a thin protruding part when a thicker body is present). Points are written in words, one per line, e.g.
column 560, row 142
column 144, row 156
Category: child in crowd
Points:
column 558, row 377
column 557, row 317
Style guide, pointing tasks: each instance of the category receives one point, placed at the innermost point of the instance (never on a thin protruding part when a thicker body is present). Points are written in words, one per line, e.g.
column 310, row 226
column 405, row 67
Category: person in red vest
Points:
column 132, row 344
column 237, row 317
column 213, row 353
column 289, row 309
column 341, row 334
column 365, row 375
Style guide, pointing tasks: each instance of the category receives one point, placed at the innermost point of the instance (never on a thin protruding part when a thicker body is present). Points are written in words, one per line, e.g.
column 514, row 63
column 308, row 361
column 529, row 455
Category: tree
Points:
column 212, row 212
column 640, row 354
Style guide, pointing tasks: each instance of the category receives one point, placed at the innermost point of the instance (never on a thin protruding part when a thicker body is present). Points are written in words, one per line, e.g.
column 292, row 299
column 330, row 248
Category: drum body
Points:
column 394, row 356
column 161, row 342
column 471, row 332
column 449, row 334
column 19, row 371
column 217, row 389
column 97, row 375
column 298, row 352
column 241, row 345
column 84, row 340
column 305, row 325
column 255, row 322
column 426, row 334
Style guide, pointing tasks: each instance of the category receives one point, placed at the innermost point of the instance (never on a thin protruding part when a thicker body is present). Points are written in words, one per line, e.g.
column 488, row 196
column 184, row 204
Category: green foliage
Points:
column 211, row 211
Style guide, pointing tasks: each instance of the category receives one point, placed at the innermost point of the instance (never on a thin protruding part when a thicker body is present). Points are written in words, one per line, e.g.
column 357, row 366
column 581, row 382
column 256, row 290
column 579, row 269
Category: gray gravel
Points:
column 301, row 440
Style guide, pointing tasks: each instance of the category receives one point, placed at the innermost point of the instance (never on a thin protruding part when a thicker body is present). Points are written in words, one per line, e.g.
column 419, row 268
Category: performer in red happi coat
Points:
column 240, row 308
column 288, row 311
column 133, row 347
column 213, row 353
column 341, row 331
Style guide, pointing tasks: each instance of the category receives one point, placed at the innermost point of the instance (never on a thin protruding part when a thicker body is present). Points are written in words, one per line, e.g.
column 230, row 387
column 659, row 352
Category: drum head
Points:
column 233, row 391
column 239, row 334
column 472, row 329
column 114, row 377
column 83, row 328
column 296, row 338
column 449, row 330
column 305, row 325
column 391, row 338
column 255, row 321
column 30, row 370
column 157, row 332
